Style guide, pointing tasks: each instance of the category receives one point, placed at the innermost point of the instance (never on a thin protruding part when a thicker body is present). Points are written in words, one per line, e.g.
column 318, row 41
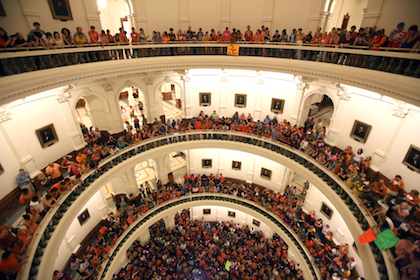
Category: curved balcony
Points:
column 156, row 213
column 54, row 226
column 371, row 70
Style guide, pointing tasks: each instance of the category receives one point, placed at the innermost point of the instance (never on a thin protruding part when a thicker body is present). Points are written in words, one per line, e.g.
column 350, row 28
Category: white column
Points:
column 74, row 131
column 315, row 17
column 287, row 178
column 301, row 86
column 144, row 237
column 155, row 108
column 223, row 94
column 125, row 183
column 30, row 11
column 139, row 15
column 184, row 19
column 268, row 14
column 187, row 96
column 163, row 167
column 169, row 221
column 372, row 12
column 259, row 96
column 250, row 168
column 15, row 143
column 92, row 14
column 225, row 15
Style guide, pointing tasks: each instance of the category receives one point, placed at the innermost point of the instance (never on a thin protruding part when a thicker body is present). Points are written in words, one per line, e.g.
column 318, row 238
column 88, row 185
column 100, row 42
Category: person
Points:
column 360, row 132
column 93, row 35
column 240, row 100
column 396, row 39
column 53, row 170
column 37, row 29
column 24, row 181
column 226, row 35
column 9, row 265
column 204, row 99
column 414, row 160
column 378, row 189
column 396, row 185
column 26, row 196
column 80, row 36
column 277, row 106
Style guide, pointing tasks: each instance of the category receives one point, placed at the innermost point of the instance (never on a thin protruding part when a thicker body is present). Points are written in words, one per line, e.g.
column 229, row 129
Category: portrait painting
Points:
column 240, row 100
column 231, row 214
column 205, row 98
column 412, row 158
column 277, row 105
column 360, row 131
column 1, row 169
column 236, row 165
column 84, row 217
column 206, row 211
column 326, row 211
column 266, row 174
column 2, row 11
column 60, row 9
column 47, row 135
column 256, row 223
column 206, row 163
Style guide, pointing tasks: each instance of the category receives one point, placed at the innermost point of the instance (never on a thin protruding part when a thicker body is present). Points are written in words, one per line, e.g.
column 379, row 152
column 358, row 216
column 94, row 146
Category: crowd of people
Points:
column 370, row 37
column 395, row 207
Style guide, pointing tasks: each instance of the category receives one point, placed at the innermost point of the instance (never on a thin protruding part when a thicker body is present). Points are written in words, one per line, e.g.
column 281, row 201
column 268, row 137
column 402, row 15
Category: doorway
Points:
column 171, row 101
column 132, row 107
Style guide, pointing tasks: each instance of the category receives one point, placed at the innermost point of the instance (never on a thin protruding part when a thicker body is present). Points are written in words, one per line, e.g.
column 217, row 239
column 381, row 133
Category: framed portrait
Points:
column 355, row 248
column 206, row 211
column 412, row 158
column 60, row 9
column 2, row 11
column 47, row 135
column 1, row 169
column 360, row 131
column 266, row 174
column 231, row 214
column 84, row 217
column 205, row 98
column 236, row 165
column 206, row 163
column 326, row 211
column 277, row 105
column 240, row 100
column 256, row 223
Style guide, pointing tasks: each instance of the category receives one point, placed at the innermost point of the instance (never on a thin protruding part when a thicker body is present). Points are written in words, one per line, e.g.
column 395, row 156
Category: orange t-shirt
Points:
column 135, row 37
column 25, row 199
column 93, row 37
column 56, row 173
column 11, row 265
column 79, row 159
column 165, row 39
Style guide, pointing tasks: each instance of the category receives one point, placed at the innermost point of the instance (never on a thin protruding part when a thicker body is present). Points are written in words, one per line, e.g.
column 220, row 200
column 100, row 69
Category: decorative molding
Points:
column 149, row 81
column 86, row 91
column 31, row 13
column 5, row 113
column 63, row 97
column 186, row 78
column 128, row 83
column 343, row 92
column 109, row 86
column 322, row 90
column 260, row 79
column 399, row 109
column 167, row 80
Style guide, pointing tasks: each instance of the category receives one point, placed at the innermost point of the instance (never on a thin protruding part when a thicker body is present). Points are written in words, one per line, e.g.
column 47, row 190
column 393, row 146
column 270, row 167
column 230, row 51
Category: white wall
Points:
column 10, row 165
column 98, row 210
column 250, row 168
column 394, row 12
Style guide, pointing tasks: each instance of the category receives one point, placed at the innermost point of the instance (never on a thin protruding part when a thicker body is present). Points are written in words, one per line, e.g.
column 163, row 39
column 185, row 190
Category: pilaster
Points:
column 125, row 183
column 223, row 93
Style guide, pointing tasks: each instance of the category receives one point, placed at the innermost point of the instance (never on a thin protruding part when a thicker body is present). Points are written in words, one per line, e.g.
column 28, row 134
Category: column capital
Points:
column 343, row 92
column 149, row 81
column 5, row 114
column 186, row 78
column 399, row 109
column 63, row 97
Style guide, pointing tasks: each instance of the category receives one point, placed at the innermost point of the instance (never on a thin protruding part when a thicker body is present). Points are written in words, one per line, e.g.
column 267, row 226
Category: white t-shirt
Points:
column 37, row 206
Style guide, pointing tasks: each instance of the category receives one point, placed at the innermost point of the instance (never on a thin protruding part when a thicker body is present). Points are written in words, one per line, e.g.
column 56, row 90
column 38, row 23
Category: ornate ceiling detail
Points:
column 62, row 97
column 5, row 114
column 343, row 92
column 149, row 81
column 399, row 109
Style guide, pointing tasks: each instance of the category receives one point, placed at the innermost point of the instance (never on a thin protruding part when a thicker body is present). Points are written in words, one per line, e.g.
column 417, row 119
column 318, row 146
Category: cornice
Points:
column 25, row 84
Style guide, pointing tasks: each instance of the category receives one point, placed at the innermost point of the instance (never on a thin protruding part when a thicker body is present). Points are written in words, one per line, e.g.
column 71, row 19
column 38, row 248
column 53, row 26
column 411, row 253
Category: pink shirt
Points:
column 226, row 35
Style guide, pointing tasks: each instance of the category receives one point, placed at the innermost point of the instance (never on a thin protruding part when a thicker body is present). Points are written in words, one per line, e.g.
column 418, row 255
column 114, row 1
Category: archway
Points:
column 113, row 15
column 82, row 113
column 171, row 100
column 179, row 164
column 146, row 172
column 132, row 104
column 317, row 106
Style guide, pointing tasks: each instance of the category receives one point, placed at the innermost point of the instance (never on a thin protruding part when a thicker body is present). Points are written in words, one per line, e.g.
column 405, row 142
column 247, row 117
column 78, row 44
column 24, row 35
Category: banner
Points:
column 232, row 50
column 367, row 237
column 227, row 265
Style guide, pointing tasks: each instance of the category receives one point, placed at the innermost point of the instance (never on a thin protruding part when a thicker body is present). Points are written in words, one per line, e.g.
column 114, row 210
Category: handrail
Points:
column 18, row 61
column 209, row 197
column 41, row 240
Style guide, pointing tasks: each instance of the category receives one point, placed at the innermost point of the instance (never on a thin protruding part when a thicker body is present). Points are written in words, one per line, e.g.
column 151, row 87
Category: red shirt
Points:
column 93, row 37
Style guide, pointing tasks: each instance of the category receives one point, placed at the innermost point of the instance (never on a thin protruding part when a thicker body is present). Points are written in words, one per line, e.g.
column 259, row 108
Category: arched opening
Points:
column 171, row 100
column 133, row 108
column 82, row 113
column 317, row 107
column 178, row 162
column 113, row 15
column 146, row 174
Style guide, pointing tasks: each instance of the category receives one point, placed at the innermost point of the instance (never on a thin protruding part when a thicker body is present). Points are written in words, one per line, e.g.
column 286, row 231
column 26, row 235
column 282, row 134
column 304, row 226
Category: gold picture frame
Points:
column 360, row 131
column 60, row 9
column 326, row 211
column 266, row 173
column 84, row 217
column 205, row 99
column 236, row 165
column 240, row 100
column 206, row 163
column 47, row 135
column 412, row 158
column 277, row 105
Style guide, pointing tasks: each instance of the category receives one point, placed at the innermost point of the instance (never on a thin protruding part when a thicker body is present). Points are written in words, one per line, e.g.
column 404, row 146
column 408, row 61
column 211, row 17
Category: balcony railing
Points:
column 212, row 197
column 398, row 61
column 50, row 222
